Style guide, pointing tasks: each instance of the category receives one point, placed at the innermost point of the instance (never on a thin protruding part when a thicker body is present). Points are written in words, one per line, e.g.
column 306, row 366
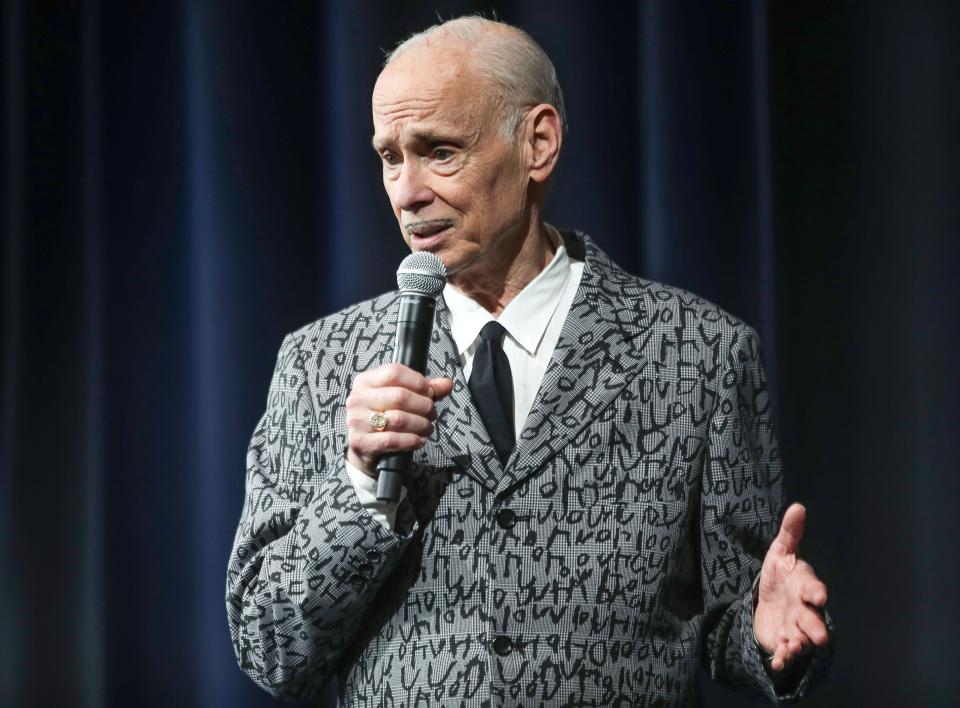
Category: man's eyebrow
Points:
column 421, row 137
column 431, row 137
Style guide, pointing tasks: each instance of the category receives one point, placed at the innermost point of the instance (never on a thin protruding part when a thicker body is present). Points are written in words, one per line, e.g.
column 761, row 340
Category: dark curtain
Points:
column 183, row 183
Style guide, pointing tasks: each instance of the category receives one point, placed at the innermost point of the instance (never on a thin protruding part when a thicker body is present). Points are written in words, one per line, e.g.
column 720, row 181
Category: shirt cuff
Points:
column 385, row 513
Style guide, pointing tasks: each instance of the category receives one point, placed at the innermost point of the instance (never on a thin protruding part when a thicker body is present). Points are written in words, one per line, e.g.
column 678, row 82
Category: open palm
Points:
column 788, row 620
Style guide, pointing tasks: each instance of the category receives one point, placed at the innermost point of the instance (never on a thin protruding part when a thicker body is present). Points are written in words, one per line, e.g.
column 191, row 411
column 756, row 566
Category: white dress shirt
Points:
column 532, row 320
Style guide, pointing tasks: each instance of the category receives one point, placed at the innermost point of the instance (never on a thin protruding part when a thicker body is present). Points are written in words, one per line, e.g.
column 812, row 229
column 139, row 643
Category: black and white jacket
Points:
column 610, row 556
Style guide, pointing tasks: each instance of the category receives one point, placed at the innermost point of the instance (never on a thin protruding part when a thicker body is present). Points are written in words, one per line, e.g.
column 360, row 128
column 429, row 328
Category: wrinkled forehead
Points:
column 430, row 90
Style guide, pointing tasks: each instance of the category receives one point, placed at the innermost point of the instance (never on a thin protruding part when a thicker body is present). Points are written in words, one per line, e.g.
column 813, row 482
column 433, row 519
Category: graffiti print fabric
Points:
column 611, row 554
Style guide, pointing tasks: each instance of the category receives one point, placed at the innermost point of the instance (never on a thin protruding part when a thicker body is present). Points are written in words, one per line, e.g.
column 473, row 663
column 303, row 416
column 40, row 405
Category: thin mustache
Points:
column 428, row 223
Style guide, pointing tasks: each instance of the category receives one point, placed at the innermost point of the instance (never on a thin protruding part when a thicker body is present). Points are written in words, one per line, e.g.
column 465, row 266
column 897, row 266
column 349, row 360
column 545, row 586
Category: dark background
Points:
column 183, row 183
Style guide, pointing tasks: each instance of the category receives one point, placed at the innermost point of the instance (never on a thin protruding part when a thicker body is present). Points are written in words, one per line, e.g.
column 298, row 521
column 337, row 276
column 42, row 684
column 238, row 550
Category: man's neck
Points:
column 495, row 291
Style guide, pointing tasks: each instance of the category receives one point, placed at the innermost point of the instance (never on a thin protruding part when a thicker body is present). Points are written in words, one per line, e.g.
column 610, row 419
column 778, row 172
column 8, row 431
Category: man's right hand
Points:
column 405, row 397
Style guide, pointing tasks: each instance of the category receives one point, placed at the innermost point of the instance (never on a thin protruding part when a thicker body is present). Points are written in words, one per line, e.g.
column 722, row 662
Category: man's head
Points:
column 468, row 122
column 506, row 56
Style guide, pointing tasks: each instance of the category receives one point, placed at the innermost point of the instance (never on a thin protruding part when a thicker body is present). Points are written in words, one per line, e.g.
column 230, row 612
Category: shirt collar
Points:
column 525, row 318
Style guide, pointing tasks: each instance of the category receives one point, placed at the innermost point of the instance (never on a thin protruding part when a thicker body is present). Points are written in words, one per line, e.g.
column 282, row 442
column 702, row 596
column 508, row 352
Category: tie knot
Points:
column 492, row 331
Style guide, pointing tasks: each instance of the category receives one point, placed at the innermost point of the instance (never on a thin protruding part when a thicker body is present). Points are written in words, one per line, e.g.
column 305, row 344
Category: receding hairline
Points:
column 446, row 35
column 516, row 68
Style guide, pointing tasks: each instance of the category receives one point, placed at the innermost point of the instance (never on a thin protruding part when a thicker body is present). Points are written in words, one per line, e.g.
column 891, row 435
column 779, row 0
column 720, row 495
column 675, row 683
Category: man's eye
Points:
column 442, row 154
column 389, row 158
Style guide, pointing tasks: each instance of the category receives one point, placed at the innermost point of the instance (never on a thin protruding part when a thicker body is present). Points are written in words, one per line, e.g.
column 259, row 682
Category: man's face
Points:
column 456, row 185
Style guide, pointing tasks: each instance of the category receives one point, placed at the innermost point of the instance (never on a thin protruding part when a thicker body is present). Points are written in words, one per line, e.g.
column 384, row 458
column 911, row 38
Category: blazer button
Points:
column 373, row 555
column 357, row 580
column 364, row 569
column 503, row 645
column 506, row 518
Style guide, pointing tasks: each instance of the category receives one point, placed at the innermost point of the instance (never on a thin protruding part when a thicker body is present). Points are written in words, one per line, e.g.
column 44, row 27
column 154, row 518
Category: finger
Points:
column 396, row 375
column 441, row 387
column 403, row 422
column 396, row 398
column 373, row 445
column 786, row 651
column 791, row 529
column 796, row 644
column 814, row 591
column 364, row 449
column 811, row 624
column 358, row 423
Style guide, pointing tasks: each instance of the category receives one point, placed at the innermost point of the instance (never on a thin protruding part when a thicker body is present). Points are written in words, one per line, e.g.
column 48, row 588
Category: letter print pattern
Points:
column 611, row 555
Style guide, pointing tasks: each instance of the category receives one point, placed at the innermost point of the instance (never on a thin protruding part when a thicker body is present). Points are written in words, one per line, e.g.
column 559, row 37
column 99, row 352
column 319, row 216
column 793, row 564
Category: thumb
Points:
column 791, row 529
column 441, row 387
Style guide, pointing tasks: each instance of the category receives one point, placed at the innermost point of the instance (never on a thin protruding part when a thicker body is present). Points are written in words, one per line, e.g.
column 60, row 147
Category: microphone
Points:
column 420, row 277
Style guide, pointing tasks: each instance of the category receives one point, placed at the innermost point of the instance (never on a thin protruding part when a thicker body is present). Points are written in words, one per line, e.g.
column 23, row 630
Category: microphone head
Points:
column 422, row 272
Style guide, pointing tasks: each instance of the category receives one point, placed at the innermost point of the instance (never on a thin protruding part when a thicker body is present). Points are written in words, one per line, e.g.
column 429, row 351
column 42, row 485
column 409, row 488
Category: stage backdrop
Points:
column 183, row 183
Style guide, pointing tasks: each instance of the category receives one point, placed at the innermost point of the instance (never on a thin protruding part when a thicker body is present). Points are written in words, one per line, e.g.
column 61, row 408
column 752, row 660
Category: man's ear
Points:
column 543, row 135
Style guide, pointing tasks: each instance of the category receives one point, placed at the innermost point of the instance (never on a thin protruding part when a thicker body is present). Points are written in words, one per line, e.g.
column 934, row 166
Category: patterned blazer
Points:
column 610, row 556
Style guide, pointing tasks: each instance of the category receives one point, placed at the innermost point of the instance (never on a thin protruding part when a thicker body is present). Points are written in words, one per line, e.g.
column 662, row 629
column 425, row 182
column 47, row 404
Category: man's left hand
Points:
column 788, row 619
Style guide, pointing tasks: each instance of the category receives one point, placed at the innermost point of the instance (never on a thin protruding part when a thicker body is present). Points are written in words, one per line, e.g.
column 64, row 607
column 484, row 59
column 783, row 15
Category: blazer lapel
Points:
column 459, row 428
column 596, row 356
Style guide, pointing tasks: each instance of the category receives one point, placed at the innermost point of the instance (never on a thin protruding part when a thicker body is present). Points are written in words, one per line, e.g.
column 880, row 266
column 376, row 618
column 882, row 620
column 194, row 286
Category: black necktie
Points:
column 491, row 384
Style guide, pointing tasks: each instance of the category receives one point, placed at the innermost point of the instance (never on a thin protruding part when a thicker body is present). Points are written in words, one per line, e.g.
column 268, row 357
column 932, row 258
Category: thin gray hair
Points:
column 505, row 55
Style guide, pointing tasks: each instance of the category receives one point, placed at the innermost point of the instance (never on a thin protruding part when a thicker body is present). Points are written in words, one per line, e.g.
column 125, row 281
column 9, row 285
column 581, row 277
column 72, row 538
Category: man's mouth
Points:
column 422, row 230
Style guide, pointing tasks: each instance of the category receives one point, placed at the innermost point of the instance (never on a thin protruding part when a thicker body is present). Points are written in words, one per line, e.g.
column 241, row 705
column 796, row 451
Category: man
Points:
column 595, row 485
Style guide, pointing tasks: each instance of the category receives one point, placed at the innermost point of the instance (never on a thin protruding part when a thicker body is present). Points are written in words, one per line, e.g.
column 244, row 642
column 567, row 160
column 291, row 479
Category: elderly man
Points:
column 592, row 510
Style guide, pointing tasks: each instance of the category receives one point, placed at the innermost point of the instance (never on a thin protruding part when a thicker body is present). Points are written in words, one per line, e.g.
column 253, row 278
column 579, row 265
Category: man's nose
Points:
column 412, row 186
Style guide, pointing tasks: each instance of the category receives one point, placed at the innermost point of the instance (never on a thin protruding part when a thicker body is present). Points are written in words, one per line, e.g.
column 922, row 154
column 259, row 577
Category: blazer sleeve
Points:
column 741, row 507
column 307, row 559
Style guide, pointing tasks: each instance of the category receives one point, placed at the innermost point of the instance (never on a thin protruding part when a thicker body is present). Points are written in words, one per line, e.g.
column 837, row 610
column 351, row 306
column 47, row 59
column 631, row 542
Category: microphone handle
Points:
column 414, row 326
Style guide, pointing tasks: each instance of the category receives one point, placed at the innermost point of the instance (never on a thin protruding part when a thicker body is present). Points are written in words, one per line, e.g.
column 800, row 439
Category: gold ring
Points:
column 378, row 421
